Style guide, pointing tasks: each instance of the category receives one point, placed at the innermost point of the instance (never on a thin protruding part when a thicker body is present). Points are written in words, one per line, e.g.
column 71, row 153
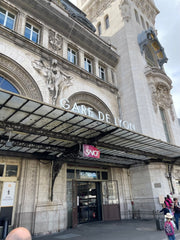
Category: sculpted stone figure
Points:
column 56, row 79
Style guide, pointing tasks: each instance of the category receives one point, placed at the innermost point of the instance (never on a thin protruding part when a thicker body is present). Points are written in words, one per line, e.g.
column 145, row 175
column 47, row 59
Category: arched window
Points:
column 136, row 15
column 4, row 84
column 107, row 22
column 99, row 29
column 147, row 24
column 165, row 124
column 142, row 21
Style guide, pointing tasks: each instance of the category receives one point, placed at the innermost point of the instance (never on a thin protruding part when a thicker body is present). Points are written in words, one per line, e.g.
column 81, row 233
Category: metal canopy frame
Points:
column 42, row 131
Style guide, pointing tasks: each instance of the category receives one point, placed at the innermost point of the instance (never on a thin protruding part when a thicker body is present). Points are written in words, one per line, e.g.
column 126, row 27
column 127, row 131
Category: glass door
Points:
column 87, row 201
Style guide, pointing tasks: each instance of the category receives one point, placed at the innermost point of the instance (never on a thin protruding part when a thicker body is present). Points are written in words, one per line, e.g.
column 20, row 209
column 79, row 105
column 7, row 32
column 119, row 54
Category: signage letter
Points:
column 64, row 103
column 101, row 116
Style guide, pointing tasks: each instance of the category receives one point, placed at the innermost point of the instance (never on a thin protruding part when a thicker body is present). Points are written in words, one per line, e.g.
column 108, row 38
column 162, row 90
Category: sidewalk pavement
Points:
column 118, row 230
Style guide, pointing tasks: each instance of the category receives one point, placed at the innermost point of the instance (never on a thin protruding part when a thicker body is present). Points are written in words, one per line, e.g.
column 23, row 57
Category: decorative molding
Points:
column 125, row 10
column 55, row 41
column 19, row 77
column 147, row 8
column 46, row 54
column 91, row 100
column 160, row 86
column 96, row 8
column 56, row 79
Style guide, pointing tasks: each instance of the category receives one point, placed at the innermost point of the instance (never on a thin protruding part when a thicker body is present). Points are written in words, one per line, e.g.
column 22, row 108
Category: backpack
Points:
column 169, row 229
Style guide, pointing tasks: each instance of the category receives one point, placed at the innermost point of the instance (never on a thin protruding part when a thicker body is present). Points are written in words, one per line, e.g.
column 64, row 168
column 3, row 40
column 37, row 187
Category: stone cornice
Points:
column 48, row 55
column 70, row 29
column 158, row 73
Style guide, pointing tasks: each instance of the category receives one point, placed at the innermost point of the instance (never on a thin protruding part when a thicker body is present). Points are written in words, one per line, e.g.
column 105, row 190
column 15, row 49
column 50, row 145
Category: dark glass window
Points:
column 4, row 84
column 104, row 176
column 70, row 174
column 165, row 125
column 31, row 33
column 142, row 21
column 107, row 22
column 88, row 65
column 99, row 29
column 11, row 170
column 102, row 73
column 72, row 56
column 1, row 170
column 136, row 15
column 7, row 19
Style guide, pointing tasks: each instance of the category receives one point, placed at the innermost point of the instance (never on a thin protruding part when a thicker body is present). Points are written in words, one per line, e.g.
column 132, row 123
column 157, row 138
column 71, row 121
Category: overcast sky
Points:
column 168, row 26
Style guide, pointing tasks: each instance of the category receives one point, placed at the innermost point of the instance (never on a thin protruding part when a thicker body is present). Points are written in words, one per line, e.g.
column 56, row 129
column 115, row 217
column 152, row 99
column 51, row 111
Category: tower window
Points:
column 147, row 24
column 136, row 16
column 7, row 19
column 31, row 33
column 107, row 22
column 99, row 29
column 142, row 21
column 165, row 124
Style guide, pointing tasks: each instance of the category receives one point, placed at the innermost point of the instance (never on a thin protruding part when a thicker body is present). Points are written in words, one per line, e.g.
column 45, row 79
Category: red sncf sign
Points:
column 90, row 151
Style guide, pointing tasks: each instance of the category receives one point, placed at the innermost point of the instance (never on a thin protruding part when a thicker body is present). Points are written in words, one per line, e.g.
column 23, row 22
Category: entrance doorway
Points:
column 88, row 202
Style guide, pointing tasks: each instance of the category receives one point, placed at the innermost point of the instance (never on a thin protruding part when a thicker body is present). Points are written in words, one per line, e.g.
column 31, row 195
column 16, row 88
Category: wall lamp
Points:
column 9, row 143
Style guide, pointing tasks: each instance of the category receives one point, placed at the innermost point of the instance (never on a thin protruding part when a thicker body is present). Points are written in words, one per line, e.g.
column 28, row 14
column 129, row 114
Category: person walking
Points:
column 165, row 210
column 176, row 212
column 169, row 227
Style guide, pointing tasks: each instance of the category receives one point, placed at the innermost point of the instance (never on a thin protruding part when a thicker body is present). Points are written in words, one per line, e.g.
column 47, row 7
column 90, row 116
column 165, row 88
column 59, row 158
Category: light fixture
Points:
column 9, row 143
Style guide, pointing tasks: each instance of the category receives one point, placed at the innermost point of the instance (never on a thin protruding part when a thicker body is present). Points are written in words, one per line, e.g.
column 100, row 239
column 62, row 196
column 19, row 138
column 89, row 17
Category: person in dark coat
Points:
column 165, row 210
column 176, row 212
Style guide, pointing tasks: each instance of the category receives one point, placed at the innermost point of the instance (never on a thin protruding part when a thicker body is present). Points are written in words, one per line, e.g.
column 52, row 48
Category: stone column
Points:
column 81, row 58
column 44, row 37
column 96, row 67
column 65, row 48
column 109, row 75
column 20, row 23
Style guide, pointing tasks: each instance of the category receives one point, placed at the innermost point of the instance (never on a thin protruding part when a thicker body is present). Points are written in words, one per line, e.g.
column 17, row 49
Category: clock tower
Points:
column 144, row 88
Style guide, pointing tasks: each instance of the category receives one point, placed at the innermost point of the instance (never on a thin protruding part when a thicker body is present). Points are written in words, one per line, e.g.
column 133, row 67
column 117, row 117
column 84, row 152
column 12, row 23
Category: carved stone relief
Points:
column 55, row 41
column 56, row 79
column 161, row 97
column 125, row 10
column 147, row 8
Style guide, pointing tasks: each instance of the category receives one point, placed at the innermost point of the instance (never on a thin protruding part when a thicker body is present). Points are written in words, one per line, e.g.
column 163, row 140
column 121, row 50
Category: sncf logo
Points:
column 90, row 151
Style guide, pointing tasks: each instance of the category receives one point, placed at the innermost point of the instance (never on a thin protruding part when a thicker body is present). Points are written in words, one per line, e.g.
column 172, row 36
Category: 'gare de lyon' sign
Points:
column 88, row 111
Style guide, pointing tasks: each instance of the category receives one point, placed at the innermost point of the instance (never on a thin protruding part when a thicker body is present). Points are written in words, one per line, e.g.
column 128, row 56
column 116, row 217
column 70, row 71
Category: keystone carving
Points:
column 56, row 79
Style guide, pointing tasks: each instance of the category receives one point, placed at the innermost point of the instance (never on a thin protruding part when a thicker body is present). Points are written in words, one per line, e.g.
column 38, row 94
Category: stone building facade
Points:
column 63, row 88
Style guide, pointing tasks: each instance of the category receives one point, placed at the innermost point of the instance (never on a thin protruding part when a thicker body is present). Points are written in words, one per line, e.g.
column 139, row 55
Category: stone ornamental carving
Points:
column 55, row 41
column 97, row 8
column 161, row 97
column 125, row 10
column 56, row 79
column 148, row 8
